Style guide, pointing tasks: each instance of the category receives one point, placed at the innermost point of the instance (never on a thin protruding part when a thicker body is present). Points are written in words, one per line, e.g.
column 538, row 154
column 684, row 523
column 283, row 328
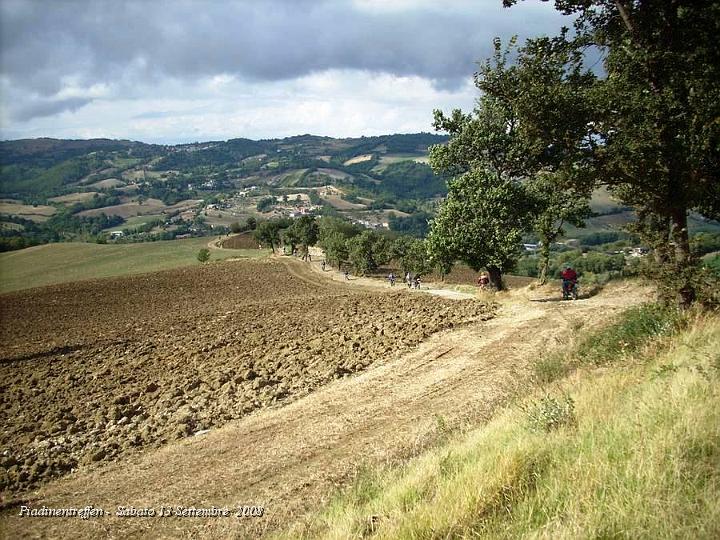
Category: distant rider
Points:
column 569, row 277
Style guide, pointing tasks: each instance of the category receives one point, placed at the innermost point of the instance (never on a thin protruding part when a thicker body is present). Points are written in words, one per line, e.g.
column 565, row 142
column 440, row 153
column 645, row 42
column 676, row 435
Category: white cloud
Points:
column 335, row 103
column 177, row 71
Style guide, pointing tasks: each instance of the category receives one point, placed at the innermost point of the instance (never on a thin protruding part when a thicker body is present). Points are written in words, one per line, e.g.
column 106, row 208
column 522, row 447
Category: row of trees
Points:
column 547, row 130
column 345, row 244
column 365, row 250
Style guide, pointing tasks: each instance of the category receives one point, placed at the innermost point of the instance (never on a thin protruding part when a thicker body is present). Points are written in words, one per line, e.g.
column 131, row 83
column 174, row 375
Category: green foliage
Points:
column 268, row 233
column 18, row 180
column 394, row 144
column 367, row 251
column 417, row 224
column 251, row 223
column 713, row 263
column 704, row 243
column 554, row 207
column 550, row 368
column 648, row 128
column 335, row 246
column 412, row 254
column 598, row 238
column 333, row 234
column 634, row 329
column 61, row 226
column 235, row 227
column 203, row 255
column 550, row 413
column 330, row 225
column 481, row 222
column 222, row 153
column 265, row 204
column 307, row 231
column 290, row 238
column 411, row 180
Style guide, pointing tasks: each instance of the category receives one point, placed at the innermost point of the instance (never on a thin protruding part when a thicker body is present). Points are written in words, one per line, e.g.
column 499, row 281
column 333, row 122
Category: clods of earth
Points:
column 92, row 370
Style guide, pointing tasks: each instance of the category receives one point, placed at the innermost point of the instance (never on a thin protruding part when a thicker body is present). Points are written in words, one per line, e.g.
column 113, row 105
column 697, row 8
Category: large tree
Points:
column 518, row 173
column 481, row 222
column 367, row 251
column 304, row 231
column 653, row 134
column 268, row 232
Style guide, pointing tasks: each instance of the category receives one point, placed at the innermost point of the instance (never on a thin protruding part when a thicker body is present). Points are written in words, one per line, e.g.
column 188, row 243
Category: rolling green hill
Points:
column 58, row 263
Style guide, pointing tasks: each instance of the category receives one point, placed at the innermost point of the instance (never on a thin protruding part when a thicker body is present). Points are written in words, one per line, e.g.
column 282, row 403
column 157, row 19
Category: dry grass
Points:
column 108, row 183
column 37, row 213
column 126, row 210
column 342, row 204
column 73, row 198
column 640, row 462
column 358, row 159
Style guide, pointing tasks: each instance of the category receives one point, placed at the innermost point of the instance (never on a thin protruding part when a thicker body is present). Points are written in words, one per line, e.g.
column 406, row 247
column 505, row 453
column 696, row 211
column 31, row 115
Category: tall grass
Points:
column 639, row 460
column 634, row 329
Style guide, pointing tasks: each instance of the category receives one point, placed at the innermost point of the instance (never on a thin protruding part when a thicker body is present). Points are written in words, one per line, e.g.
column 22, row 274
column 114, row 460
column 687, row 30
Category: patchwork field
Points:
column 129, row 209
column 38, row 213
column 98, row 369
column 73, row 198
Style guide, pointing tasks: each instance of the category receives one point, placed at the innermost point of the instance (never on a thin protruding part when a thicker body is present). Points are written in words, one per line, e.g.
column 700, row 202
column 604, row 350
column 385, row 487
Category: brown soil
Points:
column 93, row 370
column 289, row 459
column 240, row 241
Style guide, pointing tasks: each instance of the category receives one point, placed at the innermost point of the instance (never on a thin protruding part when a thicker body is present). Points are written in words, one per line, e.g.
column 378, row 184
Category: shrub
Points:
column 265, row 204
column 633, row 330
column 550, row 368
column 203, row 255
column 550, row 413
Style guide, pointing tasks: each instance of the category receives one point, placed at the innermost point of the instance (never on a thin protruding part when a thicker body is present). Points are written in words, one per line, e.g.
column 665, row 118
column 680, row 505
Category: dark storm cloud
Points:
column 121, row 43
column 37, row 108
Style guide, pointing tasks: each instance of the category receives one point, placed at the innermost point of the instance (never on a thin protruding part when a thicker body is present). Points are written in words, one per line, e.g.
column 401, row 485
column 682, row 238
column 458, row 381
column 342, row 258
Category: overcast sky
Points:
column 183, row 71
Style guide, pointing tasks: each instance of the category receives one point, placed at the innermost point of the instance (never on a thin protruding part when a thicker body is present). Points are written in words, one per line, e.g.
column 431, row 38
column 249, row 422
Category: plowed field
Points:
column 93, row 370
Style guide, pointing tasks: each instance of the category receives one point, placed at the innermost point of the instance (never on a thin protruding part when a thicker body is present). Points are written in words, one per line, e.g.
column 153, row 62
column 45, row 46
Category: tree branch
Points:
column 625, row 15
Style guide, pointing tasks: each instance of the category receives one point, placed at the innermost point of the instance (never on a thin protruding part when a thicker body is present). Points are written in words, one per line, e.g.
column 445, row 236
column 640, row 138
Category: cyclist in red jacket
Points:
column 569, row 277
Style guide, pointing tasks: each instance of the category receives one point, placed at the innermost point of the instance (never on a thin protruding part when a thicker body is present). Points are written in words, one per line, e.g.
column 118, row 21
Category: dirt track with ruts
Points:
column 291, row 458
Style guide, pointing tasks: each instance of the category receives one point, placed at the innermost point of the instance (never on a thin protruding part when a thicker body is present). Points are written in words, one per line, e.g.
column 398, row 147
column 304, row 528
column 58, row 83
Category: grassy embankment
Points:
column 58, row 263
column 620, row 439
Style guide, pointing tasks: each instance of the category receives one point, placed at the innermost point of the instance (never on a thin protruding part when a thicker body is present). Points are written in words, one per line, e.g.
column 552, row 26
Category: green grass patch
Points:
column 60, row 263
column 631, row 331
column 630, row 451
column 628, row 334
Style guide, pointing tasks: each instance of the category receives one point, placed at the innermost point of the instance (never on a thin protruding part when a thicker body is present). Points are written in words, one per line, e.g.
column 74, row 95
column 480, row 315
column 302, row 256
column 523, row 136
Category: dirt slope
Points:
column 290, row 458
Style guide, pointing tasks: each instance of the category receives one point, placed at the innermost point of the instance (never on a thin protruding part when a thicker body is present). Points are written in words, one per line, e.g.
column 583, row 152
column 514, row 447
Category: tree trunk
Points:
column 683, row 257
column 495, row 276
column 544, row 262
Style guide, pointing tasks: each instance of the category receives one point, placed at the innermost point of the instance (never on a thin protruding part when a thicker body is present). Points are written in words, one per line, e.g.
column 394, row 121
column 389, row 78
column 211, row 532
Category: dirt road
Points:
column 291, row 458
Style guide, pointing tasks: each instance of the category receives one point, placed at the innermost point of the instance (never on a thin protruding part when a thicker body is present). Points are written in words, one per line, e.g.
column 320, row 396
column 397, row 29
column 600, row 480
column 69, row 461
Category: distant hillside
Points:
column 51, row 167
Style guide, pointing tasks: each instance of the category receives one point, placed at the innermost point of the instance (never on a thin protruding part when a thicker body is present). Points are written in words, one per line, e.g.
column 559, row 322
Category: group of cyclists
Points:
column 413, row 282
column 568, row 274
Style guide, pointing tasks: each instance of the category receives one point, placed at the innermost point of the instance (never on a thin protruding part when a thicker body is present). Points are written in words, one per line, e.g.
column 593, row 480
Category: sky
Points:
column 197, row 70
